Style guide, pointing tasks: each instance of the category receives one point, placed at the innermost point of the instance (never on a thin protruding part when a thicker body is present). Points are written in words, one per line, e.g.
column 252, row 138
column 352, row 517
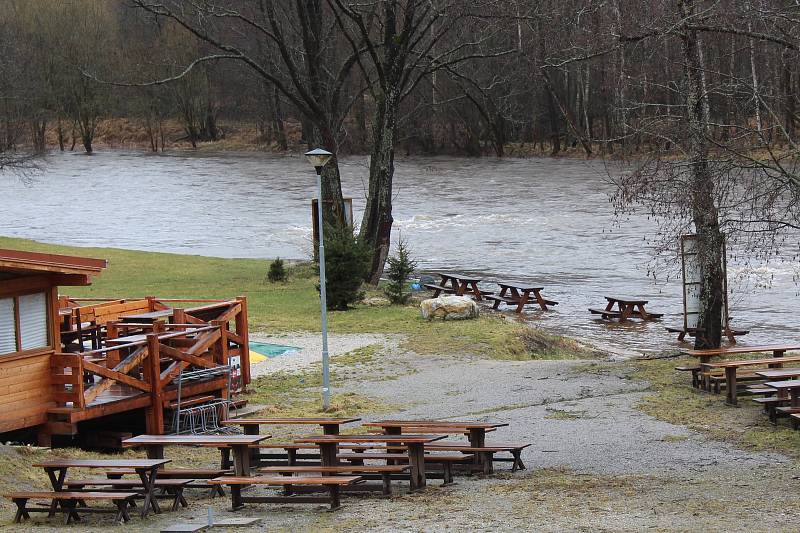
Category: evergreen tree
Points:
column 400, row 267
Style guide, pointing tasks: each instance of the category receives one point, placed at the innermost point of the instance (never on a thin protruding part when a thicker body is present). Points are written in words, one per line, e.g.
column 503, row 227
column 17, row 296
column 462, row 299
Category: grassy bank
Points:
column 674, row 400
column 294, row 305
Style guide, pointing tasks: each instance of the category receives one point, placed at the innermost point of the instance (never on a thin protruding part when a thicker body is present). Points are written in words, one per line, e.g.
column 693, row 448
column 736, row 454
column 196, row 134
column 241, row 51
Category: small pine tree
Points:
column 347, row 260
column 277, row 271
column 400, row 267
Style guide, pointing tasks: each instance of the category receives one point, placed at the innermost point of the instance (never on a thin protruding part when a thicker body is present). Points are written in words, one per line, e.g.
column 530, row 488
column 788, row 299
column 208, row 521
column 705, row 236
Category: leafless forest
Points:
column 702, row 95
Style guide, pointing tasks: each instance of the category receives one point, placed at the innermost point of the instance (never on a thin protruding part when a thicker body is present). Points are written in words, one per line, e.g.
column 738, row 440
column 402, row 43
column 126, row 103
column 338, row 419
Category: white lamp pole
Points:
column 319, row 158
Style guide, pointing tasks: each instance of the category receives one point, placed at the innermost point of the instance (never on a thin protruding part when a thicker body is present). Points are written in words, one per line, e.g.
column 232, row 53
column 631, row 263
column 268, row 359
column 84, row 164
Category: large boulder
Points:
column 449, row 308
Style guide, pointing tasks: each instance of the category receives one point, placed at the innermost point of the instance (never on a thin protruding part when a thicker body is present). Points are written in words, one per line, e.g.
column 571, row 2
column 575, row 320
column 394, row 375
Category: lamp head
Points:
column 318, row 158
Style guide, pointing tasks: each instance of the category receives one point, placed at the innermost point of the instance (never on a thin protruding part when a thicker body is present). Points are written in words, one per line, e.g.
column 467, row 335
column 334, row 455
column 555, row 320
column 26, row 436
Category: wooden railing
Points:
column 147, row 365
column 230, row 316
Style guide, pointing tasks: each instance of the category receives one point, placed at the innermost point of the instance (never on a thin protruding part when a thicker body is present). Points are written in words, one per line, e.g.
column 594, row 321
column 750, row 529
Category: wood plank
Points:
column 116, row 376
column 125, row 366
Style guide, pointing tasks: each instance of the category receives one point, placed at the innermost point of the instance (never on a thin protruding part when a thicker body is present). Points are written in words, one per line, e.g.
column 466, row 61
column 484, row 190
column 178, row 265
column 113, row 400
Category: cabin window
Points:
column 23, row 323
column 8, row 333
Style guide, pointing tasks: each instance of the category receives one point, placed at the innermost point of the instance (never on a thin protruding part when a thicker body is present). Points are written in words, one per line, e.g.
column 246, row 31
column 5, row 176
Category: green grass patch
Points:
column 674, row 400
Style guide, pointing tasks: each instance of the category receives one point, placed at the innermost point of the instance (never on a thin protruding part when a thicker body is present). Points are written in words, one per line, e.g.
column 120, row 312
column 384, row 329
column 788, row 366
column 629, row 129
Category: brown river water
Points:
column 547, row 221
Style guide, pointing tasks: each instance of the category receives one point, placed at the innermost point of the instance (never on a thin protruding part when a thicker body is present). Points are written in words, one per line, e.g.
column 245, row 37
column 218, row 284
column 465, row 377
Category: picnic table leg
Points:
column 496, row 304
column 148, row 477
column 155, row 451
column 477, row 439
column 641, row 312
column 706, row 380
column 330, row 429
column 58, row 484
column 335, row 492
column 522, row 299
column 22, row 512
column 241, row 460
column 236, row 497
column 476, row 291
column 253, row 429
column 539, row 299
column 625, row 312
column 730, row 382
column 327, row 454
column 777, row 354
column 416, row 459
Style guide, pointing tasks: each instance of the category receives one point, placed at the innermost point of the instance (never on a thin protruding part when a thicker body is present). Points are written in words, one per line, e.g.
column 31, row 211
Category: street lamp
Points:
column 318, row 159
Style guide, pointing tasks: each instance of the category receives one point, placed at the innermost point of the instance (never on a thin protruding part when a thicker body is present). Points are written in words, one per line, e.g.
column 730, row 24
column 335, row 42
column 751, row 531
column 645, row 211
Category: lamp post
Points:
column 318, row 159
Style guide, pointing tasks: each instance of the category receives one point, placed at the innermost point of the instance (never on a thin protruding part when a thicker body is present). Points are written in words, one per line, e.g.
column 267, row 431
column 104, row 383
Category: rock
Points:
column 449, row 308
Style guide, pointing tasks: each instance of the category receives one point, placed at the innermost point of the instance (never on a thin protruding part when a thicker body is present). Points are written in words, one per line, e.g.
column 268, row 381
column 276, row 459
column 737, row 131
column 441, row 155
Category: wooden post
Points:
column 219, row 352
column 179, row 317
column 112, row 332
column 151, row 304
column 152, row 370
column 242, row 331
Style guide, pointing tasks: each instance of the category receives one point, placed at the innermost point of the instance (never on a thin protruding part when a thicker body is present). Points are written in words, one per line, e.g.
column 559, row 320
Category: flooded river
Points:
column 543, row 220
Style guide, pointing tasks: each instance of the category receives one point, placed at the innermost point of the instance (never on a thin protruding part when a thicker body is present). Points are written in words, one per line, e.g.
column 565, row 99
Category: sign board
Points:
column 692, row 282
column 348, row 217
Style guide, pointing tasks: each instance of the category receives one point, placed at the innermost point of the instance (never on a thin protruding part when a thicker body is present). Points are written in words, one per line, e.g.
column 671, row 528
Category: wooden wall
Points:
column 26, row 391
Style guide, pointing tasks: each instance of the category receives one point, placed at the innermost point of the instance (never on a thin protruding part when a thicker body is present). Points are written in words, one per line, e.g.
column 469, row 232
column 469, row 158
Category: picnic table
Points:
column 792, row 387
column 476, row 430
column 252, row 426
column 627, row 307
column 147, row 470
column 731, row 367
column 779, row 373
column 519, row 294
column 458, row 284
column 238, row 444
column 415, row 447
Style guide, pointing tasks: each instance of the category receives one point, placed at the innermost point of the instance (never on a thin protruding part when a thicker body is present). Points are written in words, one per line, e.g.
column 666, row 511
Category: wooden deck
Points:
column 136, row 362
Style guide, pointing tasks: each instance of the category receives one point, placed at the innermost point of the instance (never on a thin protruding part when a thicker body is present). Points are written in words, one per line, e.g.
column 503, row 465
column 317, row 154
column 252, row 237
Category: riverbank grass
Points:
column 674, row 400
column 294, row 305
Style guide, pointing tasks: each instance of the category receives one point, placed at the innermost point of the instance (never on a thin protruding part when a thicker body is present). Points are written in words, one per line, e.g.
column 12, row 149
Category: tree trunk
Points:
column 704, row 210
column 60, row 132
column 376, row 225
column 280, row 126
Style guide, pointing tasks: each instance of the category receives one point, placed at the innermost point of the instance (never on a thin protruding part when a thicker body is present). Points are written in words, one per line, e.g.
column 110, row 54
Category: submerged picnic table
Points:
column 238, row 444
column 415, row 447
column 458, row 284
column 626, row 308
column 519, row 294
column 146, row 469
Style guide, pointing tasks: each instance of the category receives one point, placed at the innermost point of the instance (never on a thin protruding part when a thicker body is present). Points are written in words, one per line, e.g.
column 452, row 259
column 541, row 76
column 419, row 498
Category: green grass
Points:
column 294, row 305
column 674, row 400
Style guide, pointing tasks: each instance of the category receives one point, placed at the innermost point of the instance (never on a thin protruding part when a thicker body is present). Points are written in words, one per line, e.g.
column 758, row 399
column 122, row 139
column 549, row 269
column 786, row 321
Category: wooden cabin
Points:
column 30, row 330
column 82, row 368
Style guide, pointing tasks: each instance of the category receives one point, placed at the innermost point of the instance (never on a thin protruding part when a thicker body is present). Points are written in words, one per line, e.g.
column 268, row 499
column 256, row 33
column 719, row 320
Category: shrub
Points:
column 400, row 267
column 347, row 261
column 277, row 272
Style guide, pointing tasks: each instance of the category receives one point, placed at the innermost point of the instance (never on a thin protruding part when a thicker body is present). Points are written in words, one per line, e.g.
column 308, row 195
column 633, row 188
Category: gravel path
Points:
column 310, row 345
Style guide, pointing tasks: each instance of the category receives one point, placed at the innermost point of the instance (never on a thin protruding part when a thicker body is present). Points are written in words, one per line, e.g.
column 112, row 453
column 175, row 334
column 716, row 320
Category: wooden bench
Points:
column 67, row 503
column 695, row 370
column 605, row 313
column 444, row 460
column 332, row 483
column 383, row 472
column 683, row 332
column 198, row 477
column 172, row 488
column 438, row 289
column 489, row 451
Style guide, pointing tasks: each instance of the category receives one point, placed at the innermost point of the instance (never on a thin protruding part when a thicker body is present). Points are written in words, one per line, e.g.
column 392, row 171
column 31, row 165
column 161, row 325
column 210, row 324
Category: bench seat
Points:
column 198, row 476
column 383, row 472
column 67, row 502
column 173, row 487
column 332, row 483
